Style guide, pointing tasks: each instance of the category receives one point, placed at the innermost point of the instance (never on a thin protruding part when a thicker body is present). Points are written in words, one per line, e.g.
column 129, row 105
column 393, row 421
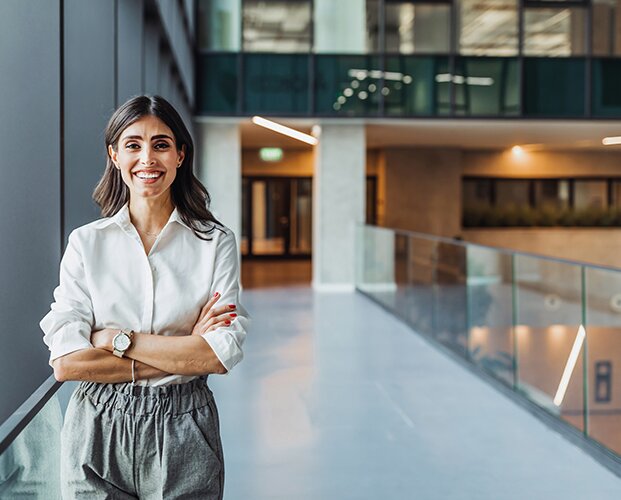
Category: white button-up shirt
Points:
column 108, row 281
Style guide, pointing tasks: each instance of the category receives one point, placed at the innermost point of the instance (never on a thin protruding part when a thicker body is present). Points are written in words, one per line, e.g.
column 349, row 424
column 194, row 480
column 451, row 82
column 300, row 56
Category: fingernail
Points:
column 216, row 294
column 232, row 306
column 227, row 322
column 232, row 315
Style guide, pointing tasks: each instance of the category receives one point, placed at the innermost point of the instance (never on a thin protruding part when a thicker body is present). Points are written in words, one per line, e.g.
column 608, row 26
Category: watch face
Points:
column 121, row 342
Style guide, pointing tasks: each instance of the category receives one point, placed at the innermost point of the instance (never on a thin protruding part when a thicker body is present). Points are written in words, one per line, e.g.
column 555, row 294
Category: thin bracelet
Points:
column 133, row 373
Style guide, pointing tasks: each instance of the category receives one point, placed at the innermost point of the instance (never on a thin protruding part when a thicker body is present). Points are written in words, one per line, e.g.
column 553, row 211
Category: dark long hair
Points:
column 187, row 192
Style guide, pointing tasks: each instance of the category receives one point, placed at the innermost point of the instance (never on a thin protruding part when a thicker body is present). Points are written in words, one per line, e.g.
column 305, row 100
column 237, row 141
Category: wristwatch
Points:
column 121, row 342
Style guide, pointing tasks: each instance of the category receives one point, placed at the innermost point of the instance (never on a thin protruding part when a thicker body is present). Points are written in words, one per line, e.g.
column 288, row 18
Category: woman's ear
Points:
column 112, row 154
column 181, row 155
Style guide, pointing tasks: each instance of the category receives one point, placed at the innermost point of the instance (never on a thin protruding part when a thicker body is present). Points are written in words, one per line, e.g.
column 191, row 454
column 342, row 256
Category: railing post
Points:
column 468, row 305
column 514, row 322
column 585, row 357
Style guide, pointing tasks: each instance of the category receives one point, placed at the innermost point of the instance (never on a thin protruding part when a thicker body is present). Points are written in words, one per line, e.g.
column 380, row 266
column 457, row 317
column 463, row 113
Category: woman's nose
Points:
column 146, row 157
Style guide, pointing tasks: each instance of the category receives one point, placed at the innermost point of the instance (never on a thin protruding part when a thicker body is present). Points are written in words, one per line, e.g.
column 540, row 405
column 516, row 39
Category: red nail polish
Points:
column 232, row 306
column 233, row 315
column 227, row 322
column 216, row 294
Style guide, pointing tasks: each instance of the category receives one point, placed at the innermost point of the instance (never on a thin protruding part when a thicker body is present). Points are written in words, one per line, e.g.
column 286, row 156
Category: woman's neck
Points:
column 150, row 216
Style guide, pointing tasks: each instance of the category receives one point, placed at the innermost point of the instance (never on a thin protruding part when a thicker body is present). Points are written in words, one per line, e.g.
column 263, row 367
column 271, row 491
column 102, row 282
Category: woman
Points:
column 147, row 307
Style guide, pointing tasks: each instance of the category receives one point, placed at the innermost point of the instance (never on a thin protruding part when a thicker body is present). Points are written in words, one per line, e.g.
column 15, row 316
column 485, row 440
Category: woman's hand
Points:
column 212, row 317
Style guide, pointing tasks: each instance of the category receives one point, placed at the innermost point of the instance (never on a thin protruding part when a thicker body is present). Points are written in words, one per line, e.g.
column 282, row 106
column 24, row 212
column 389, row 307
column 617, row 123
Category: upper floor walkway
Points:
column 338, row 399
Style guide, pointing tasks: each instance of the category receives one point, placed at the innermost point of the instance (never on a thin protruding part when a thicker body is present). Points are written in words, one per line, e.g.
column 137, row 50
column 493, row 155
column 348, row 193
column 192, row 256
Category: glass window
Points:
column 477, row 193
column 512, row 193
column 554, row 86
column 554, row 32
column 348, row 85
column 605, row 28
column 590, row 194
column 218, row 25
column 486, row 86
column 276, row 83
column 414, row 87
column 616, row 193
column 217, row 88
column 417, row 28
column 346, row 26
column 606, row 82
column 488, row 27
column 551, row 193
column 277, row 25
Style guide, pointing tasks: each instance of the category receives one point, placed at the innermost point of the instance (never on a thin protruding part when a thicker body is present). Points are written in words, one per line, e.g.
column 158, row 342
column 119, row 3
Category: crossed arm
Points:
column 87, row 355
column 155, row 356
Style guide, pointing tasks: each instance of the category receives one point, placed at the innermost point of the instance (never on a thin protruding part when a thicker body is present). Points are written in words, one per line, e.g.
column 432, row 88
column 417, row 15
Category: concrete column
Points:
column 338, row 204
column 218, row 167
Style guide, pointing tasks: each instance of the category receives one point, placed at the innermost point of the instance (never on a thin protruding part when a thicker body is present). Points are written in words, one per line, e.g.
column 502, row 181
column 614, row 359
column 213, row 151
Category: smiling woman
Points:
column 147, row 307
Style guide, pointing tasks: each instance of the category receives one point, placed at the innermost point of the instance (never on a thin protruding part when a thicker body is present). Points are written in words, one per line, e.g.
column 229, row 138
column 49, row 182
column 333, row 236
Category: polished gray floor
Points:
column 336, row 399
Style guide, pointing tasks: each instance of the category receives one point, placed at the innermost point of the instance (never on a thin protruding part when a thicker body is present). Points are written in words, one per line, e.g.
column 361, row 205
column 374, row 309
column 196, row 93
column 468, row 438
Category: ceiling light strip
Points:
column 281, row 129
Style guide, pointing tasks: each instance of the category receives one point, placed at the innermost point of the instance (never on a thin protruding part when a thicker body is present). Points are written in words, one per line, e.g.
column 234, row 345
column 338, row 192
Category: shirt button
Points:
column 153, row 268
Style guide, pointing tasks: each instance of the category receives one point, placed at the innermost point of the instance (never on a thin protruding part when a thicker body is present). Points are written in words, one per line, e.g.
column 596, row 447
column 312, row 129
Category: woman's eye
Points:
column 163, row 144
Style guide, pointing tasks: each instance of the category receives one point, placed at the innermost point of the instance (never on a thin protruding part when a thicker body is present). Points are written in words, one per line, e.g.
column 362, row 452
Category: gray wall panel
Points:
column 29, row 191
column 89, row 36
column 130, row 32
column 151, row 58
column 53, row 113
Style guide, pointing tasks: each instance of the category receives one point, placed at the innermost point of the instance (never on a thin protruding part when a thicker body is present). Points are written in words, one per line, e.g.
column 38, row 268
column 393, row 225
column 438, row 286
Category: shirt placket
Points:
column 146, row 323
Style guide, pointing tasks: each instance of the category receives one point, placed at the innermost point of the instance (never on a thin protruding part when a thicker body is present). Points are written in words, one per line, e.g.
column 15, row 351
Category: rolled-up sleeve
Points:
column 67, row 326
column 227, row 341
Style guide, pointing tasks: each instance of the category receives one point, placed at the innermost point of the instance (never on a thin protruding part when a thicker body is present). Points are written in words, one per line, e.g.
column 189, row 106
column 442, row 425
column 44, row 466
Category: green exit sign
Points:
column 270, row 154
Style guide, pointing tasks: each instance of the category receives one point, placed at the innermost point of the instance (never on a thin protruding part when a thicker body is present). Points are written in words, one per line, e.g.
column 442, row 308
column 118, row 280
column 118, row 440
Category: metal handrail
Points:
column 20, row 418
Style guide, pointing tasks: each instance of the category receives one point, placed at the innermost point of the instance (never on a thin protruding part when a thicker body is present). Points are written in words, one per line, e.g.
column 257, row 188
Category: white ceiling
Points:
column 463, row 133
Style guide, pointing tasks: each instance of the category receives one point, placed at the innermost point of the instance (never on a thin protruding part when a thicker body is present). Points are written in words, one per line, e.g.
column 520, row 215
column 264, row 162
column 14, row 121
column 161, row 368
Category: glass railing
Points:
column 393, row 85
column 30, row 444
column 518, row 317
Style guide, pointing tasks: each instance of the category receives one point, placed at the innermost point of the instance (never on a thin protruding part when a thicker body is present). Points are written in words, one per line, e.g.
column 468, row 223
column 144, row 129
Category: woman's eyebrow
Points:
column 155, row 137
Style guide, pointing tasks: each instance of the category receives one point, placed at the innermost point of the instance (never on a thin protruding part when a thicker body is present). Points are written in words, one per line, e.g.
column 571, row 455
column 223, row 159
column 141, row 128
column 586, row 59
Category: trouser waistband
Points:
column 171, row 399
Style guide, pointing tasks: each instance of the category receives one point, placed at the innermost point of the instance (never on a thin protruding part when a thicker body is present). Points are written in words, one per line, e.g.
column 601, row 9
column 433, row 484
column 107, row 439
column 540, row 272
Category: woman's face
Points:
column 147, row 148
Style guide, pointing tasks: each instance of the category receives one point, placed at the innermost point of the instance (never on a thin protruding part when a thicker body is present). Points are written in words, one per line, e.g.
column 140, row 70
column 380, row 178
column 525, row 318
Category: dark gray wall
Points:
column 30, row 201
column 64, row 67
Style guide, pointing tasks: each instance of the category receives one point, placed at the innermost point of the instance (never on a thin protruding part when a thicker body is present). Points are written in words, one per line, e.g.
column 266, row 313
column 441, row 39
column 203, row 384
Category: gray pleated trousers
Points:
column 120, row 441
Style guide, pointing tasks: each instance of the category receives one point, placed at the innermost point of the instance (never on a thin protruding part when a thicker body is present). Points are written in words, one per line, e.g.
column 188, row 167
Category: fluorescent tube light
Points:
column 569, row 367
column 281, row 129
column 609, row 141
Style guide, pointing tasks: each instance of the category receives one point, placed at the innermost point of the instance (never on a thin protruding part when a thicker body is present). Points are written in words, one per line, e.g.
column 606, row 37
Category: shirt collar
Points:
column 122, row 217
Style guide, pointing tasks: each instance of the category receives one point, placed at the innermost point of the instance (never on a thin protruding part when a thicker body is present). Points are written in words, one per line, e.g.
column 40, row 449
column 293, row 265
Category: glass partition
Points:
column 30, row 465
column 451, row 295
column 549, row 329
column 421, row 313
column 487, row 86
column 548, row 315
column 218, row 76
column 606, row 81
column 490, row 311
column 349, row 85
column 554, row 87
column 603, row 302
column 276, row 83
column 417, row 85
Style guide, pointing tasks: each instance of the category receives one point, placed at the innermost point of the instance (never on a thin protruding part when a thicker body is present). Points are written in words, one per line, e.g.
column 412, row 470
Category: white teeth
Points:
column 148, row 176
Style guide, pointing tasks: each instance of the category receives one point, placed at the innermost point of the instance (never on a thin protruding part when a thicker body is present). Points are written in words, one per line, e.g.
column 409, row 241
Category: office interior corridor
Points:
column 338, row 400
